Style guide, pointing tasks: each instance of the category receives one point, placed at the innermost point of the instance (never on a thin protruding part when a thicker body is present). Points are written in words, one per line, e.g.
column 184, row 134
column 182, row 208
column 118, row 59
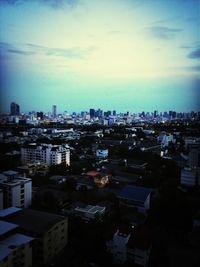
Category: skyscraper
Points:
column 14, row 109
column 92, row 113
column 54, row 111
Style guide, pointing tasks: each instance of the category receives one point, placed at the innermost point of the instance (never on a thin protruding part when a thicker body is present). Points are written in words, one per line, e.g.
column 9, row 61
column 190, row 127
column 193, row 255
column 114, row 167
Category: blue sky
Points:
column 112, row 54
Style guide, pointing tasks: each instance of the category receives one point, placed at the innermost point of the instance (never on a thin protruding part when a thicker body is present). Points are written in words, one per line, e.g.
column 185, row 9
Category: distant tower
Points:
column 14, row 109
column 92, row 113
column 54, row 111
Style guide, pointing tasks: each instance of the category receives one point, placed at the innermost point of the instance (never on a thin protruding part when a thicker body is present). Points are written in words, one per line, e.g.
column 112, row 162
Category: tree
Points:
column 69, row 185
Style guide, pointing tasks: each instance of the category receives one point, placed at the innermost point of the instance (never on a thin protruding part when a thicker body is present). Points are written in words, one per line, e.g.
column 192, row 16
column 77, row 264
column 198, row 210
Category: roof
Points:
column 6, row 227
column 35, row 221
column 17, row 240
column 93, row 173
column 8, row 211
column 90, row 209
column 136, row 193
column 9, row 244
column 10, row 173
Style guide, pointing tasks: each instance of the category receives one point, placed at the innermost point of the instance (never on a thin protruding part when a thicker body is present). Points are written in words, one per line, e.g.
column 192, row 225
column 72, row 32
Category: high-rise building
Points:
column 54, row 111
column 40, row 115
column 14, row 109
column 155, row 113
column 92, row 113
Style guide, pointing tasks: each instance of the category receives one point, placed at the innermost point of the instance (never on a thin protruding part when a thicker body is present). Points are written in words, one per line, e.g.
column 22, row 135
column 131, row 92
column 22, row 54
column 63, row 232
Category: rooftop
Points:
column 9, row 244
column 10, row 173
column 93, row 173
column 35, row 221
column 90, row 209
column 8, row 211
column 6, row 227
column 136, row 193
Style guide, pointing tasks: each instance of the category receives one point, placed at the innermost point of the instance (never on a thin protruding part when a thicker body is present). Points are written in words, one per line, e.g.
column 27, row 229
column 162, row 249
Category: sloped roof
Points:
column 6, row 227
column 136, row 193
column 8, row 211
column 35, row 221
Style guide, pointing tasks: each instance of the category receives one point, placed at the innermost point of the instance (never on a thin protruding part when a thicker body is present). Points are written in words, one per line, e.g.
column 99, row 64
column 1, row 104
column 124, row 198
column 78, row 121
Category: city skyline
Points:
column 96, row 111
column 117, row 55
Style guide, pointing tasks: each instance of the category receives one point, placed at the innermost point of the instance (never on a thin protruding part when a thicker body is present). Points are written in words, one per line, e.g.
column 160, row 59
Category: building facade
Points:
column 15, row 248
column 17, row 191
column 14, row 109
column 50, row 232
column 118, row 246
column 188, row 177
column 54, row 111
column 45, row 153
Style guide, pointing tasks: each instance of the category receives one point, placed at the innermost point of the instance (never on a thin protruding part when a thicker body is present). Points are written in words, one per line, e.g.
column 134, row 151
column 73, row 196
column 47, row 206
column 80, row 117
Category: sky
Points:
column 124, row 55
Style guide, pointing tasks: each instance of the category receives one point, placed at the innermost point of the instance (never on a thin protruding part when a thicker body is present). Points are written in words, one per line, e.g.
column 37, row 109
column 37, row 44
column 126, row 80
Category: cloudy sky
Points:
column 112, row 54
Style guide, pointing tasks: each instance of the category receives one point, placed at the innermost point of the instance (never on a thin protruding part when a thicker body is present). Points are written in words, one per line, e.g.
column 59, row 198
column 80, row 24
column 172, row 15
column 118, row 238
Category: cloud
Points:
column 165, row 33
column 195, row 54
column 33, row 49
column 185, row 47
column 74, row 53
column 50, row 3
column 192, row 68
column 16, row 51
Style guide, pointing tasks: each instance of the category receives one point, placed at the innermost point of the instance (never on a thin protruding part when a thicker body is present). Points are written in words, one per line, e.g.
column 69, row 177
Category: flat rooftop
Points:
column 90, row 209
column 8, row 211
column 35, row 221
column 9, row 244
column 6, row 227
column 136, row 193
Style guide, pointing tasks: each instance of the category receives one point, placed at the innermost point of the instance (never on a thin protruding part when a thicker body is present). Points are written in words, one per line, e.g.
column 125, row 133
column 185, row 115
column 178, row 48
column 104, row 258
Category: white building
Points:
column 17, row 191
column 188, row 176
column 165, row 139
column 45, row 153
column 102, row 153
column 139, row 246
column 90, row 212
column 118, row 246
column 131, row 247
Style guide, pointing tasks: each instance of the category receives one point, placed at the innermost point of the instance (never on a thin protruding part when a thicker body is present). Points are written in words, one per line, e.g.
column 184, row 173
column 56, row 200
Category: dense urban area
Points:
column 99, row 188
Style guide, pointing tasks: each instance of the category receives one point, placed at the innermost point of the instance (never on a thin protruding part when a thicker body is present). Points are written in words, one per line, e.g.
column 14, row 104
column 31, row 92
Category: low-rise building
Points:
column 50, row 232
column 188, row 176
column 139, row 246
column 118, row 246
column 89, row 212
column 102, row 153
column 100, row 179
column 136, row 196
column 15, row 248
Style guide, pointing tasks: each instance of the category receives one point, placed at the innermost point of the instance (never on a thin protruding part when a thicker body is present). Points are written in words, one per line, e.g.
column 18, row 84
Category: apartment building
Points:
column 15, row 191
column 118, row 246
column 15, row 248
column 50, row 232
column 45, row 153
